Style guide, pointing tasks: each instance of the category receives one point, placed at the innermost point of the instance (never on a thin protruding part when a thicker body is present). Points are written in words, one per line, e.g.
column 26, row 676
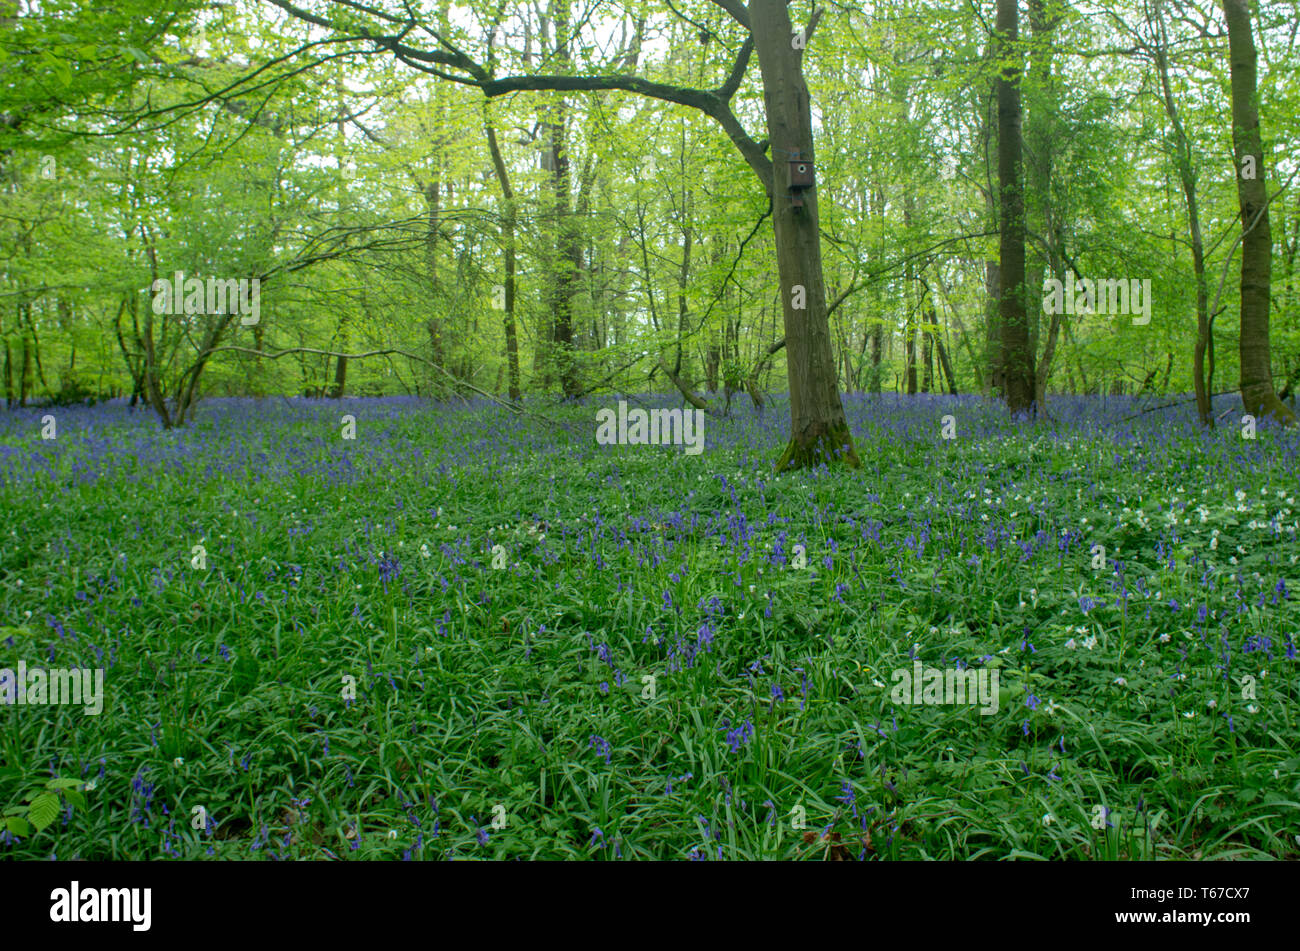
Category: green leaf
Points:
column 18, row 826
column 44, row 810
column 63, row 784
column 76, row 798
column 61, row 69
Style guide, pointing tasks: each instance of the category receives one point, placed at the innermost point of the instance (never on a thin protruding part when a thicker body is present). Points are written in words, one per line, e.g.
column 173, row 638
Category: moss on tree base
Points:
column 828, row 444
column 1268, row 404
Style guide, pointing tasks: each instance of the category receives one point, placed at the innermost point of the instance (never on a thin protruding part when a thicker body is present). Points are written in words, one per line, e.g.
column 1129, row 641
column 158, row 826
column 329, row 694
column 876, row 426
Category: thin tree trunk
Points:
column 683, row 279
column 433, row 203
column 1017, row 359
column 877, row 338
column 927, row 349
column 25, row 373
column 9, row 375
column 993, row 360
column 961, row 329
column 993, row 329
column 946, row 365
column 340, row 373
column 508, row 233
column 910, row 375
column 1040, row 141
column 1187, row 179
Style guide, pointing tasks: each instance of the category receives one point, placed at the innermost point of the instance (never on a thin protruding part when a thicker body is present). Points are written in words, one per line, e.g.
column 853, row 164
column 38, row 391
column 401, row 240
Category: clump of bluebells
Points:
column 740, row 736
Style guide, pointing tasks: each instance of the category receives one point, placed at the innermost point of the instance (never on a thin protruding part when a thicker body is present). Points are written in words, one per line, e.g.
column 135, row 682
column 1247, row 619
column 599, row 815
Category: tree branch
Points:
column 698, row 402
column 739, row 12
column 811, row 28
column 728, row 89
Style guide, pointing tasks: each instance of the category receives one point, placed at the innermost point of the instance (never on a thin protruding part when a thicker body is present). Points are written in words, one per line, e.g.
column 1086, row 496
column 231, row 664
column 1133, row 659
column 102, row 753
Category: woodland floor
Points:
column 503, row 712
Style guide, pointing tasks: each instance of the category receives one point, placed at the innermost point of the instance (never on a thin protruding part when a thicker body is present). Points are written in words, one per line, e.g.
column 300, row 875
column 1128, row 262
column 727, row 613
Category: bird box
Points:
column 801, row 172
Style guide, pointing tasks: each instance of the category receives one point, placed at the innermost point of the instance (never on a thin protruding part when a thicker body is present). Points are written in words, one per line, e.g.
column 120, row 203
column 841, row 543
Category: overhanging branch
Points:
column 739, row 12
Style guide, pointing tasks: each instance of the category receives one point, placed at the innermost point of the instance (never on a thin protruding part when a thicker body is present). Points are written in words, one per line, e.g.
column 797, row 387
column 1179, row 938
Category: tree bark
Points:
column 1257, row 395
column 568, row 247
column 8, row 375
column 1017, row 362
column 946, row 364
column 508, row 234
column 1040, row 143
column 819, row 431
column 927, row 349
column 992, row 275
column 433, row 204
column 909, row 293
column 961, row 329
column 877, row 337
column 1187, row 179
column 683, row 278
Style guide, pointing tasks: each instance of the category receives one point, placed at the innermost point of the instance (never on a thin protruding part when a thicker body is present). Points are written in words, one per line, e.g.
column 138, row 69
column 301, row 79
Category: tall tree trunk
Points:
column 909, row 376
column 1044, row 371
column 1257, row 395
column 344, row 202
column 567, row 260
column 9, row 375
column 1018, row 360
column 150, row 371
column 819, row 431
column 683, row 278
column 1040, row 144
column 340, row 374
column 961, row 329
column 877, row 338
column 433, row 324
column 909, row 291
column 992, row 275
column 568, row 249
column 713, row 355
column 927, row 366
column 508, row 234
column 25, row 374
column 876, row 209
column 946, row 365
column 993, row 328
column 33, row 335
column 1187, row 179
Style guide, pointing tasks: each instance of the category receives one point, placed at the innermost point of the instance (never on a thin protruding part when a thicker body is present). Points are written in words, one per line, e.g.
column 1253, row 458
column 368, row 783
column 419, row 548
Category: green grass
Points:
column 479, row 691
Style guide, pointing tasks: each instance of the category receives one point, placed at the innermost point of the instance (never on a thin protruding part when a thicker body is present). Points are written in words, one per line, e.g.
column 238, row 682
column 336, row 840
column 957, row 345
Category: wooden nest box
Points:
column 802, row 176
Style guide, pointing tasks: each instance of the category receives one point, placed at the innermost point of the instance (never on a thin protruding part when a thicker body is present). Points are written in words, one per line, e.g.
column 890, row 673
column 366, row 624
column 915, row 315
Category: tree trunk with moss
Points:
column 1017, row 356
column 819, row 431
column 1257, row 394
